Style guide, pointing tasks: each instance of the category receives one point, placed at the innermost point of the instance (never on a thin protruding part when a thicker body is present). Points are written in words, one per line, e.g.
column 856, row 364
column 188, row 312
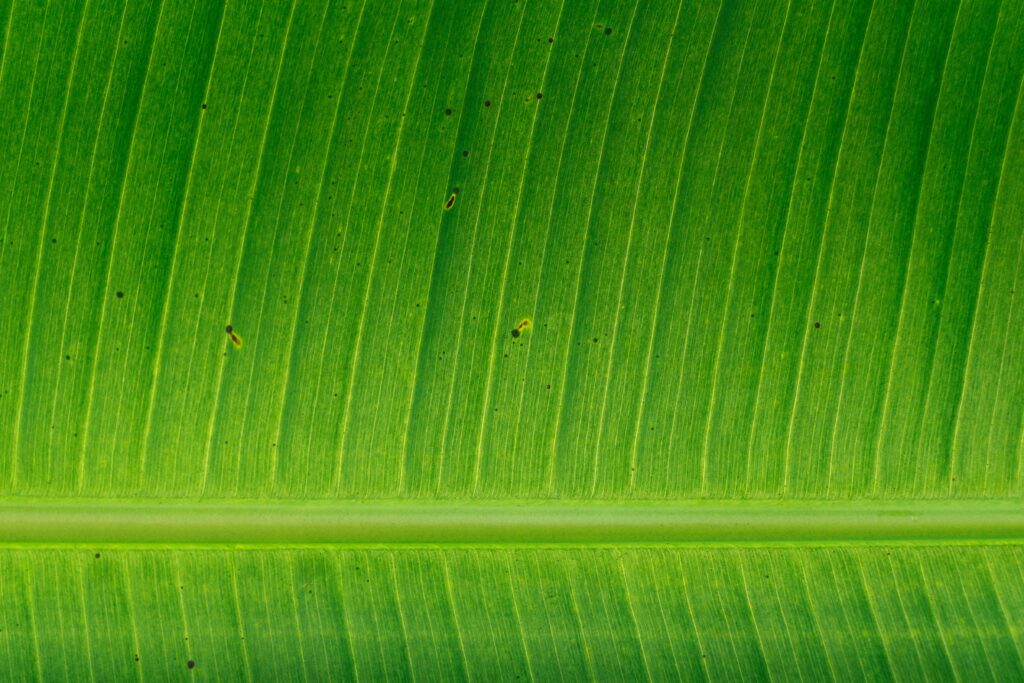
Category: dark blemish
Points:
column 228, row 329
column 136, row 658
column 487, row 103
column 608, row 31
column 204, row 105
column 67, row 357
column 447, row 112
column 455, row 190
column 515, row 333
column 97, row 556
column 521, row 326
column 235, row 339
column 191, row 664
column 465, row 152
column 549, row 386
column 451, row 201
column 540, row 95
column 817, row 325
column 595, row 340
column 551, row 40
column 53, row 241
column 120, row 295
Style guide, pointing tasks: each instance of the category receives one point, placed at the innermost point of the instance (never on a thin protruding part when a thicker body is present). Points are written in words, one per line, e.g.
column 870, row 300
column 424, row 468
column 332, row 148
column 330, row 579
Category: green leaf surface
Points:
column 497, row 339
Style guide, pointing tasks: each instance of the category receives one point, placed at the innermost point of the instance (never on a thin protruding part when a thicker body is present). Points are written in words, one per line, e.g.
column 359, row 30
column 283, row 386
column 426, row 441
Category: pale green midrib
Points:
column 503, row 522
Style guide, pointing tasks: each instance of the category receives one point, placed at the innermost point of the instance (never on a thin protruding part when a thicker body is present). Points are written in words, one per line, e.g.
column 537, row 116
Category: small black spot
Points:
column 204, row 105
column 120, row 295
column 465, row 152
column 551, row 40
column 540, row 95
column 67, row 357
column 608, row 31
column 487, row 103
column 136, row 658
column 97, row 556
column 53, row 241
column 515, row 333
column 229, row 329
column 817, row 325
column 447, row 112
column 455, row 190
column 549, row 386
column 191, row 664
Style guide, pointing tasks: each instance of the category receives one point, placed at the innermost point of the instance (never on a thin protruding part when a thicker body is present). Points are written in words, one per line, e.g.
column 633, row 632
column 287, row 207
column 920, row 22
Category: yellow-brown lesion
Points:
column 235, row 338
column 521, row 327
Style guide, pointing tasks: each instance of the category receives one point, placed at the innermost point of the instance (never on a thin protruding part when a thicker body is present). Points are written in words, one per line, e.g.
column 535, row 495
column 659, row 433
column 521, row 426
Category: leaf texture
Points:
column 520, row 252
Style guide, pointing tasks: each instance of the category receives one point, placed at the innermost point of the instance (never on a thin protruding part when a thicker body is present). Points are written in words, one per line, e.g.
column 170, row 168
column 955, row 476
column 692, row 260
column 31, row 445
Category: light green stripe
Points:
column 244, row 522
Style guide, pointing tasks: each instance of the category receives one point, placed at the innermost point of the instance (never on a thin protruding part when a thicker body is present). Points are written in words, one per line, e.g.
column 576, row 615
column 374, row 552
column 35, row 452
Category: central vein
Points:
column 507, row 522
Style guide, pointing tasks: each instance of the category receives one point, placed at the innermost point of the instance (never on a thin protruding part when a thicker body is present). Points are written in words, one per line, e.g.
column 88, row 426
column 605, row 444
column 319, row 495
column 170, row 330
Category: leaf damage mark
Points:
column 525, row 324
column 451, row 199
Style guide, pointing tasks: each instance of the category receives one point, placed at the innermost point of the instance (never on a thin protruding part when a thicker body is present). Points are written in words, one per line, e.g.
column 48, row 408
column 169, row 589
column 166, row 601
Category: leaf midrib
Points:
column 251, row 522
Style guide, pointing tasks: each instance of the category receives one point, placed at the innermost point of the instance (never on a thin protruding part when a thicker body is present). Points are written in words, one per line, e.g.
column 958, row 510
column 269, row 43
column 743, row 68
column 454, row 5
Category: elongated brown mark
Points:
column 235, row 339
column 451, row 201
column 520, row 327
